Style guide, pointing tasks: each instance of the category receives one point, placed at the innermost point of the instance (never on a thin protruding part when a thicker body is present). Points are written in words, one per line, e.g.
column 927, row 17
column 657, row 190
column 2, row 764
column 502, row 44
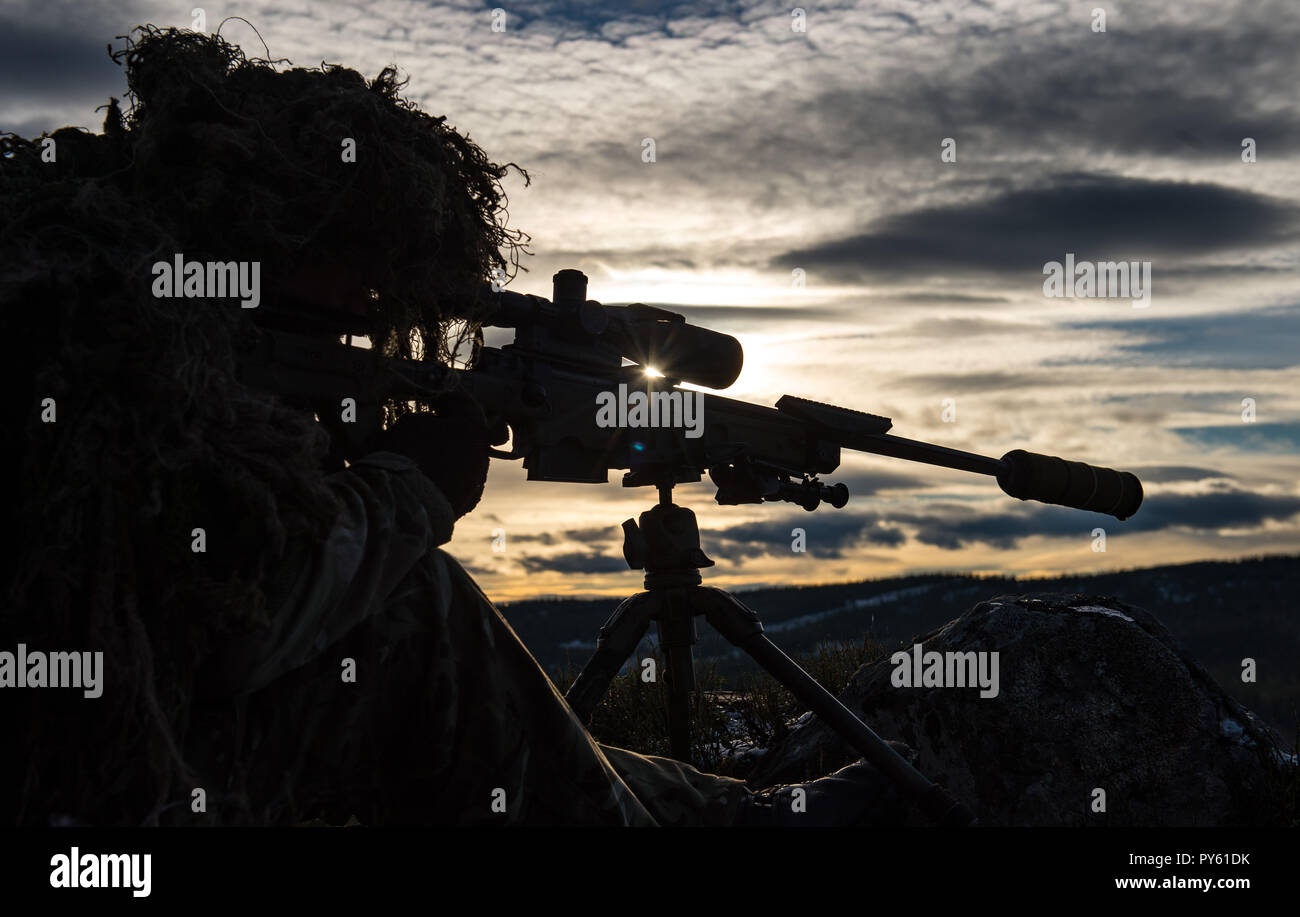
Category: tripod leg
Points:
column 677, row 637
column 618, row 639
column 679, row 723
column 740, row 625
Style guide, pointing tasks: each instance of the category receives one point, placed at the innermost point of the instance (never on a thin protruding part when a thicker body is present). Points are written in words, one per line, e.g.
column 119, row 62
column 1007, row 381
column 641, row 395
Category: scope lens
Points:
column 697, row 355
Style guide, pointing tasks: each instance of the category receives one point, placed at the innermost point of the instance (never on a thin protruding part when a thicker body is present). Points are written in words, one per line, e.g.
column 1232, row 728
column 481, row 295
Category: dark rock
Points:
column 1092, row 693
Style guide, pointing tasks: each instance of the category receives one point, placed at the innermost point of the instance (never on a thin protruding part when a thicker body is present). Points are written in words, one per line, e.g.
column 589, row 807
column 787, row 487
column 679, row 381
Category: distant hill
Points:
column 1222, row 611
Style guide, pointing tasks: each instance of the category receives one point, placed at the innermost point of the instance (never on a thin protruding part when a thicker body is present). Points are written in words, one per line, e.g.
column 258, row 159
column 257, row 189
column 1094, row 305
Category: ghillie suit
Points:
column 226, row 159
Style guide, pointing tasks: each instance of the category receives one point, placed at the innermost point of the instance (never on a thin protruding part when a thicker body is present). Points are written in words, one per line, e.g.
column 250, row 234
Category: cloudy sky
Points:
column 817, row 153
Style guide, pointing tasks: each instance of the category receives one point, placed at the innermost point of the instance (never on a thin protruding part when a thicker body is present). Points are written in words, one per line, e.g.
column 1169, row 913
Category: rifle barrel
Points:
column 914, row 451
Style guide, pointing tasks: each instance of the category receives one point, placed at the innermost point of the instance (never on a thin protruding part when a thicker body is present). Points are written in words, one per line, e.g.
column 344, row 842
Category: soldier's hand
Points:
column 450, row 446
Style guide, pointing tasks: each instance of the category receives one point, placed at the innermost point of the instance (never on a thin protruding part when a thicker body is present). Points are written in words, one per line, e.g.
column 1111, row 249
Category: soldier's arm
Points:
column 392, row 516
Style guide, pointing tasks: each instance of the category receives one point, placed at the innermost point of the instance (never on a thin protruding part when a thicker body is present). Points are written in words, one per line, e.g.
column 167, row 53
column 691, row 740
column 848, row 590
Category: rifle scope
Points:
column 649, row 336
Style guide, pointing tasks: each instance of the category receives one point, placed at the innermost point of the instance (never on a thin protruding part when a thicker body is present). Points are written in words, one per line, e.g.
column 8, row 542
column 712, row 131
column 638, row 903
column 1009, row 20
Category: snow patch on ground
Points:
column 1231, row 729
column 1099, row 610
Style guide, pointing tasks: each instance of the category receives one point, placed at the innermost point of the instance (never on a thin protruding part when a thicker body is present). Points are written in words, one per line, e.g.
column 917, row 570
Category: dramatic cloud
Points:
column 1178, row 85
column 1165, row 474
column 825, row 534
column 51, row 74
column 575, row 562
column 1260, row 339
column 50, row 62
column 1096, row 217
column 1247, row 437
column 1201, row 513
column 1208, row 512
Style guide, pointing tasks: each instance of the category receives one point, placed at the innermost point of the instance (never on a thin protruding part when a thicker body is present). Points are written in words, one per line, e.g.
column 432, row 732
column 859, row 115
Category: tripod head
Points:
column 666, row 544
